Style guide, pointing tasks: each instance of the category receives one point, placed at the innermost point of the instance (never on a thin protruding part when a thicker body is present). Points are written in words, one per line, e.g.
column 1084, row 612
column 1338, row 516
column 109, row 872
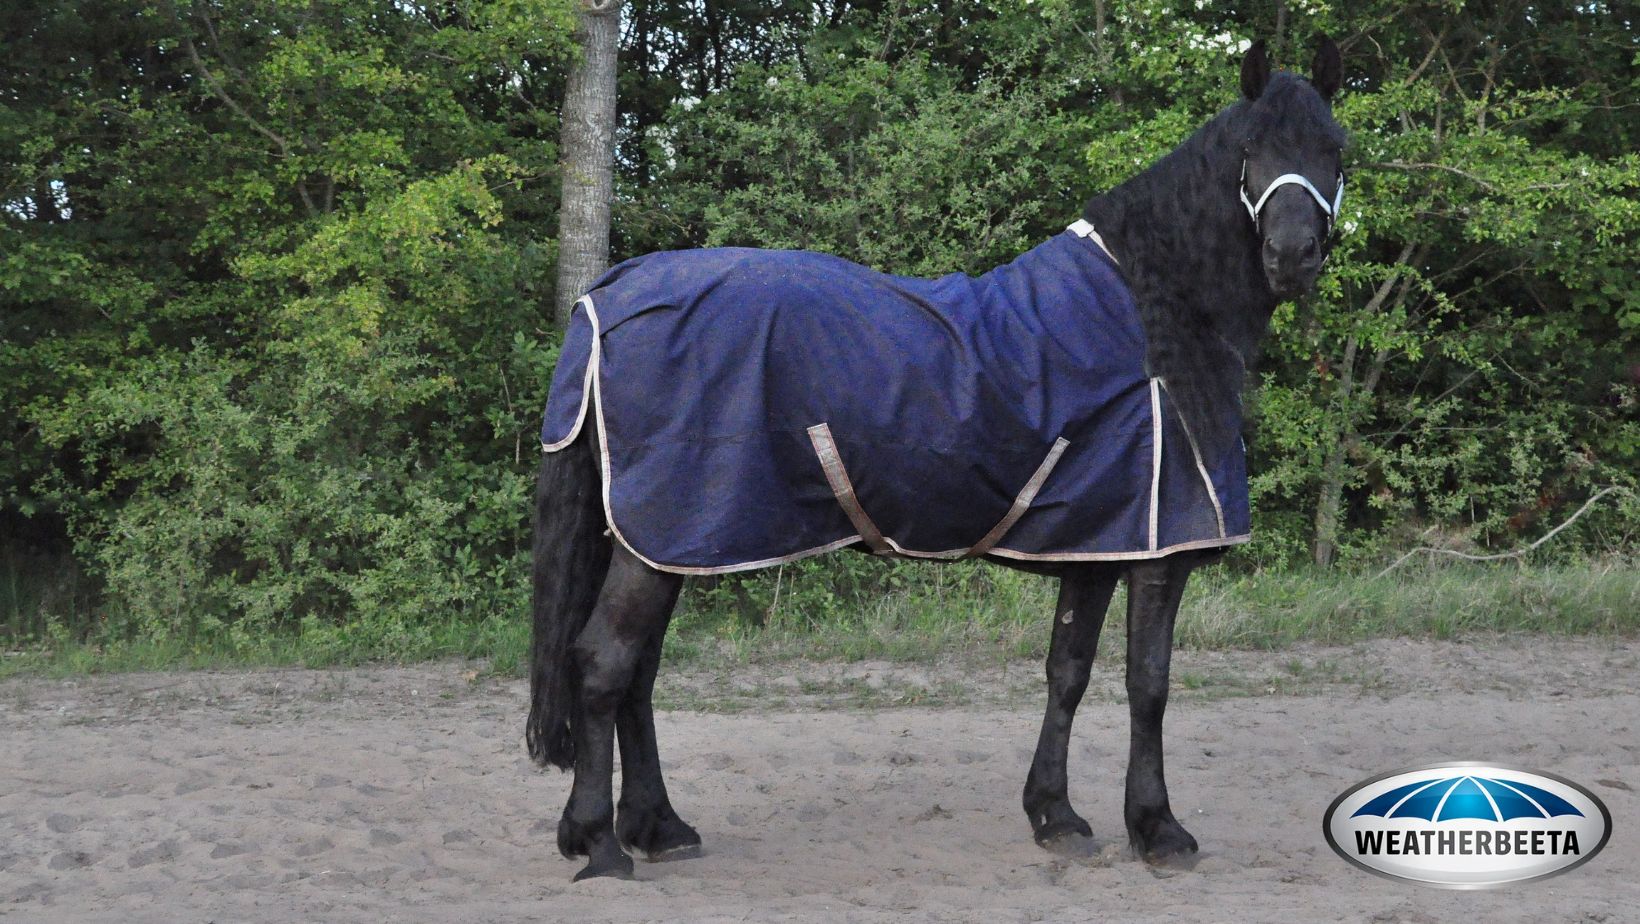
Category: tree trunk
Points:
column 587, row 145
column 1281, row 28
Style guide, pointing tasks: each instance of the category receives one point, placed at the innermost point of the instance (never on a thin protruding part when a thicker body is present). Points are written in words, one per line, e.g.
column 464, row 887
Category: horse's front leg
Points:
column 1084, row 595
column 633, row 605
column 1154, row 590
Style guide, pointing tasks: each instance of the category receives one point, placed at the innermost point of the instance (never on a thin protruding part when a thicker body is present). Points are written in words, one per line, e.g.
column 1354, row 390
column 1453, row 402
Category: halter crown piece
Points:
column 1330, row 208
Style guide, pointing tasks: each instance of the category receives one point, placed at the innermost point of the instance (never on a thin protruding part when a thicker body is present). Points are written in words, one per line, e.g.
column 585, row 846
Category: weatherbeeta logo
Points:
column 1467, row 826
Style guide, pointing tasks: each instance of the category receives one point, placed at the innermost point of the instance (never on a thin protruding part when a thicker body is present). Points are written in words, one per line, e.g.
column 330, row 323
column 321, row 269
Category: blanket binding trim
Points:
column 1155, row 456
column 1123, row 556
column 593, row 395
column 843, row 489
column 587, row 380
column 1083, row 228
column 1022, row 503
column 1207, row 481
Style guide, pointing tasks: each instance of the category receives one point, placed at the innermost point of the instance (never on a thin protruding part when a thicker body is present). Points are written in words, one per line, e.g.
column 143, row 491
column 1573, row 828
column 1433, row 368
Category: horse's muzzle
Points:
column 1291, row 264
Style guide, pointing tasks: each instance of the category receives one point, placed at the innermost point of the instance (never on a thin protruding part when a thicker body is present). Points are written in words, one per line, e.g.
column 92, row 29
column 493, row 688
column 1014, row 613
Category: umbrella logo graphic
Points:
column 1467, row 825
column 1456, row 797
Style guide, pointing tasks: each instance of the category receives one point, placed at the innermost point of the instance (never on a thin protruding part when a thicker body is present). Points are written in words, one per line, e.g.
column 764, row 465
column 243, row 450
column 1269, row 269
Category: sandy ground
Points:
column 402, row 794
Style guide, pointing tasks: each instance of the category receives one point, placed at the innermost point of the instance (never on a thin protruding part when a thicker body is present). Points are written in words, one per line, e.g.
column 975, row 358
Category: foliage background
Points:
column 273, row 316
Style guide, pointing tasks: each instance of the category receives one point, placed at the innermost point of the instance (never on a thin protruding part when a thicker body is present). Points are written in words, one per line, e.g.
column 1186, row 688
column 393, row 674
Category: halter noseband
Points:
column 1295, row 179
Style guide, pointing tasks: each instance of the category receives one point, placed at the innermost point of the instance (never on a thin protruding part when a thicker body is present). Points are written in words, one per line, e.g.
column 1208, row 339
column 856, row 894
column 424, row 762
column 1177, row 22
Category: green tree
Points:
column 270, row 351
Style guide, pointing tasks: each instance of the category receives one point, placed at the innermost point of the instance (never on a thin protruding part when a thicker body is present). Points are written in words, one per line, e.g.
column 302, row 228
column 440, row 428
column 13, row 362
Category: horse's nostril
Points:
column 1291, row 251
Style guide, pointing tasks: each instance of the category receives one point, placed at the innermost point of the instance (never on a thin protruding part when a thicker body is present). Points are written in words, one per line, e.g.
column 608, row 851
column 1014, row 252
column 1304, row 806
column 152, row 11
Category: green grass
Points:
column 1007, row 613
column 1432, row 601
column 504, row 644
column 863, row 610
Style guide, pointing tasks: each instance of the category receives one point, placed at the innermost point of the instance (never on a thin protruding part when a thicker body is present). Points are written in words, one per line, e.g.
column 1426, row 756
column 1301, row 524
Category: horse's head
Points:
column 1292, row 179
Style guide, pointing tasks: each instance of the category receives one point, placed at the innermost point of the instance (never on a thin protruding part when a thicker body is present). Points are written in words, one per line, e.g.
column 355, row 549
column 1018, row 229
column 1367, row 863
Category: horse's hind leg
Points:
column 632, row 607
column 1084, row 595
column 1154, row 590
column 644, row 820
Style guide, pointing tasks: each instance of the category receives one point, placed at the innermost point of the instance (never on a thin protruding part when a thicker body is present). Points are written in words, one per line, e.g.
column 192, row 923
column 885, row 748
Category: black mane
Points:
column 1190, row 254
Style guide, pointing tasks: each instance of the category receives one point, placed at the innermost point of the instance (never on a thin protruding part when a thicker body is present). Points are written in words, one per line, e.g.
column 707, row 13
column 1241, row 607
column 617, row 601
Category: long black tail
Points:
column 571, row 558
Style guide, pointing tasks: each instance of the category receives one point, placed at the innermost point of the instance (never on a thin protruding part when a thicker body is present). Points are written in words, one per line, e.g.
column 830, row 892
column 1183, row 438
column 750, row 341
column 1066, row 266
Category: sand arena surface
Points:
column 402, row 794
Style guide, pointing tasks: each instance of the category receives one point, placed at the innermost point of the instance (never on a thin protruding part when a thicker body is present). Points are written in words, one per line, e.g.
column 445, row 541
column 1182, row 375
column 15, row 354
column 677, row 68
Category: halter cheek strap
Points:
column 1329, row 208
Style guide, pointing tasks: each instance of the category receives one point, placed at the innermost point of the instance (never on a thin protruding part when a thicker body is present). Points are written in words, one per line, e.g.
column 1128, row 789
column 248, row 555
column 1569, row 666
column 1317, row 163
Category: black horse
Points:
column 1209, row 239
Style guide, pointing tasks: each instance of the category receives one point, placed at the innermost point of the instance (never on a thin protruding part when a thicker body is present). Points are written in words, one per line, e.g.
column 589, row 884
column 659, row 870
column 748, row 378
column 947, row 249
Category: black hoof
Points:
column 1056, row 823
column 1159, row 838
column 657, row 835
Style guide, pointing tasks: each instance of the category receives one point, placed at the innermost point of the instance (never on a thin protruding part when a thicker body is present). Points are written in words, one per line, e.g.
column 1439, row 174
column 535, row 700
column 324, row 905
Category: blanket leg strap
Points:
column 1022, row 503
column 826, row 448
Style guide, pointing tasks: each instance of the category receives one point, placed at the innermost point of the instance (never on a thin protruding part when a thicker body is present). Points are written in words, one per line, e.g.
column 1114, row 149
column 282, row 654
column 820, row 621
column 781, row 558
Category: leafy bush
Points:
column 275, row 357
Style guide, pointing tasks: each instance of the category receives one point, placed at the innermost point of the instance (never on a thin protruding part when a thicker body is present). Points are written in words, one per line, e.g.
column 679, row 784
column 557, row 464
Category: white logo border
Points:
column 1606, row 815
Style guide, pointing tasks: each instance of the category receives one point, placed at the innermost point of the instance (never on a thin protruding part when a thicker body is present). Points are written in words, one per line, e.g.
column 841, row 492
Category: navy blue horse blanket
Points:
column 754, row 407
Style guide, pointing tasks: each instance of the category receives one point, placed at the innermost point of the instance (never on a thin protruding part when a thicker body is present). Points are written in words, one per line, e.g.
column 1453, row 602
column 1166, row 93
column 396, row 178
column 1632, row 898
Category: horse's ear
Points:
column 1327, row 71
column 1255, row 71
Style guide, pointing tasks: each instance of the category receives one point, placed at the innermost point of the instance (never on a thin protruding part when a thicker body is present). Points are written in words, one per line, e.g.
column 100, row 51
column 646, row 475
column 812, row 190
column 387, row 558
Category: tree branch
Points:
column 1435, row 42
column 1516, row 553
column 221, row 93
column 1388, row 285
column 1402, row 165
column 221, row 49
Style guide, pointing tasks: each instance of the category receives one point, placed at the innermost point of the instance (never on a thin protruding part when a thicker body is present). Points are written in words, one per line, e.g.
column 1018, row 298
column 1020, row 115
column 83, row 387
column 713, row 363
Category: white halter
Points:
column 1330, row 208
